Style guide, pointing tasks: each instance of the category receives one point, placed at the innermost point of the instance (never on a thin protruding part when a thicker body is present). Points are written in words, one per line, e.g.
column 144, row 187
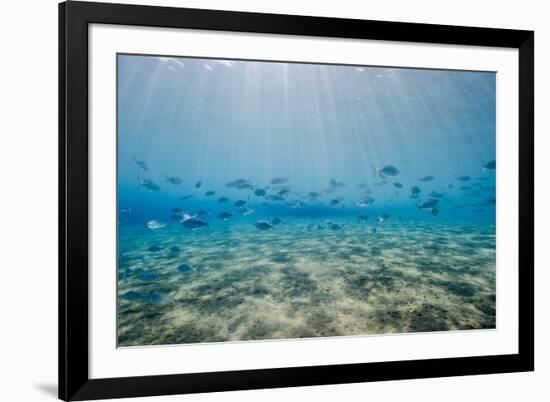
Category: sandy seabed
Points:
column 295, row 281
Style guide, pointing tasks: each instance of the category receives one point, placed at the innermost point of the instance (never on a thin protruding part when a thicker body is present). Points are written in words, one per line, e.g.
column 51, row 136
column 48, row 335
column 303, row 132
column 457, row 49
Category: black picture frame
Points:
column 74, row 18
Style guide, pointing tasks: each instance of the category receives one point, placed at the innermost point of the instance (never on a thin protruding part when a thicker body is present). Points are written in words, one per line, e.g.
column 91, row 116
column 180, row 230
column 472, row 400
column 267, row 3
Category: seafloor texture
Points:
column 299, row 280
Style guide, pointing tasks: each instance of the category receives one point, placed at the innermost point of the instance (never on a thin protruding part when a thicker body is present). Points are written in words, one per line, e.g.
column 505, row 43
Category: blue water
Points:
column 332, row 135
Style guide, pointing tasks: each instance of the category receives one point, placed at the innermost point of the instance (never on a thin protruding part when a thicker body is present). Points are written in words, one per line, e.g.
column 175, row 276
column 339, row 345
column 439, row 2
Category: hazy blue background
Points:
column 219, row 120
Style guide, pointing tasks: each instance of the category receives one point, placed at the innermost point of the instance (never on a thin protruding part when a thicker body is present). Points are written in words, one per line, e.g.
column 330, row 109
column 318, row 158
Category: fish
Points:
column 279, row 180
column 283, row 192
column 234, row 183
column 198, row 184
column 193, row 223
column 263, row 225
column 336, row 184
column 149, row 185
column 435, row 194
column 397, row 185
column 186, row 197
column 245, row 186
column 154, row 248
column 435, row 211
column 415, row 191
column 223, row 200
column 155, row 225
column 132, row 296
column 428, row 204
column 239, row 203
column 142, row 165
column 175, row 180
column 175, row 249
column 450, row 186
column 426, row 179
column 314, row 194
column 158, row 298
column 276, row 221
column 334, row 202
column 373, row 230
column 365, row 201
column 247, row 211
column 363, row 218
column 296, row 204
column 210, row 193
column 224, row 215
column 335, row 226
column 385, row 171
column 463, row 178
column 260, row 192
column 185, row 268
column 491, row 165
column 147, row 276
column 274, row 197
column 384, row 217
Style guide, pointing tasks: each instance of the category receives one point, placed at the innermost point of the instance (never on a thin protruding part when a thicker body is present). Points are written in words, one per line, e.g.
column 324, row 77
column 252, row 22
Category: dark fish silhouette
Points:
column 384, row 217
column 387, row 170
column 132, row 296
column 463, row 178
column 263, row 225
column 186, row 197
column 397, row 185
column 279, row 180
column 363, row 218
column 314, row 194
column 224, row 215
column 210, row 193
column 149, row 185
column 426, row 179
column 260, row 192
column 193, row 223
column 492, row 165
column 185, row 268
column 239, row 203
column 198, row 184
column 428, row 204
column 175, row 180
column 155, row 248
column 335, row 226
column 415, row 191
column 435, row 194
column 223, row 200
column 142, row 165
column 147, row 276
column 283, row 192
column 274, row 197
column 245, row 186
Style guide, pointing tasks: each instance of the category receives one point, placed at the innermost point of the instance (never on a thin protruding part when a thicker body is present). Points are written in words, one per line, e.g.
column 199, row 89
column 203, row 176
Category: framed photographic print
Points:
column 257, row 201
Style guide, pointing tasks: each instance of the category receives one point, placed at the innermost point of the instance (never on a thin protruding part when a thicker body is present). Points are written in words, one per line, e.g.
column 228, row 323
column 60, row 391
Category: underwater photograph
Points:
column 276, row 200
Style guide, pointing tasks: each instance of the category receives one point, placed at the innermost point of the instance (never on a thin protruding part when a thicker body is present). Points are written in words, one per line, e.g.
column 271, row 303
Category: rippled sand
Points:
column 297, row 282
